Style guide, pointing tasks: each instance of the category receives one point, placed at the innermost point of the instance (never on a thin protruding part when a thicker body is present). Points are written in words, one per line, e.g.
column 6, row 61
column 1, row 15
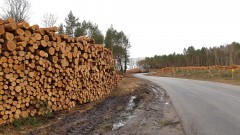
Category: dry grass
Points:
column 214, row 74
column 128, row 85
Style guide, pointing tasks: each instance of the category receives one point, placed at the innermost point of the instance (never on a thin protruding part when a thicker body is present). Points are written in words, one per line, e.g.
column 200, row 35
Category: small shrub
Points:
column 33, row 121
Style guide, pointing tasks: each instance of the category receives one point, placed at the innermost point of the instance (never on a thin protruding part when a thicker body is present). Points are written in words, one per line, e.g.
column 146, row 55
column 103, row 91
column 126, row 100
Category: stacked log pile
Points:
column 41, row 71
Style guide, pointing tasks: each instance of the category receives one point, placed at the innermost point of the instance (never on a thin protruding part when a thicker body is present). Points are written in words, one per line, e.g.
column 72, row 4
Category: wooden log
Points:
column 51, row 50
column 8, row 20
column 2, row 30
column 49, row 68
column 10, row 27
column 46, row 37
column 18, row 88
column 1, row 41
column 19, row 31
column 23, row 25
column 9, row 46
column 53, row 59
column 42, row 31
column 23, row 44
column 43, row 43
column 49, row 44
column 8, row 36
column 37, row 36
column 27, row 33
column 30, row 49
column 1, row 21
column 20, row 38
column 34, row 28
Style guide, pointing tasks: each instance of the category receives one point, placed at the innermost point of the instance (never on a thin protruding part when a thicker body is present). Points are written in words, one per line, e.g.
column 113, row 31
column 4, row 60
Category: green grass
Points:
column 32, row 121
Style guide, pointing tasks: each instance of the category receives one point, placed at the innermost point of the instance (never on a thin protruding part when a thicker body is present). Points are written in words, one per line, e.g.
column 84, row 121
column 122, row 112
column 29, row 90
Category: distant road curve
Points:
column 205, row 108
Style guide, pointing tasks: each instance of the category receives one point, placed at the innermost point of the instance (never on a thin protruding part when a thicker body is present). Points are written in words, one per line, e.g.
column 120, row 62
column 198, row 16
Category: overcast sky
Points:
column 154, row 26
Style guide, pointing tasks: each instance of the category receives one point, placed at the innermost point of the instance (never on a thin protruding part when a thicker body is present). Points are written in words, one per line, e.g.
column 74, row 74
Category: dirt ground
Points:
column 135, row 107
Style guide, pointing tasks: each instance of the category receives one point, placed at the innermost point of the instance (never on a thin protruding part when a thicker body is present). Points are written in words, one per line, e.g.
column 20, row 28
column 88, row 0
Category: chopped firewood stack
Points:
column 41, row 71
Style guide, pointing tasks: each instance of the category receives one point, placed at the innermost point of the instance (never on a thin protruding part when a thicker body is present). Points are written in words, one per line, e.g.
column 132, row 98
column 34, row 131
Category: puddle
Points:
column 131, row 104
column 162, row 95
column 155, row 90
column 118, row 125
column 126, row 115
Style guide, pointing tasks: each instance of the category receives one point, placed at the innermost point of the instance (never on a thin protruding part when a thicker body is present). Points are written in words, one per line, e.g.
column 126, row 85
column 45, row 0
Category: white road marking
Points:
column 228, row 95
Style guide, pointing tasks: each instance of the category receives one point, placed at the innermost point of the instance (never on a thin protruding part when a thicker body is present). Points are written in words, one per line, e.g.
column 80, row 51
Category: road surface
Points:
column 205, row 108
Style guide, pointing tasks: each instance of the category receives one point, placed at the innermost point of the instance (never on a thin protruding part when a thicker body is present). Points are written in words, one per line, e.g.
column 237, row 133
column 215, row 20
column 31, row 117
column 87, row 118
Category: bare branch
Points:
column 17, row 9
column 49, row 20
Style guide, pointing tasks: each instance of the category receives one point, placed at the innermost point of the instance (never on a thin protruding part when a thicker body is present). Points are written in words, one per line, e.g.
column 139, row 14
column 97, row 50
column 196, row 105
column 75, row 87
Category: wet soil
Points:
column 145, row 111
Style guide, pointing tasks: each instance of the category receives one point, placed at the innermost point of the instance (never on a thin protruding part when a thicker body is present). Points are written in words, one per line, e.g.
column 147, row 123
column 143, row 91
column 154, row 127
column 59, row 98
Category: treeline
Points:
column 223, row 55
column 114, row 40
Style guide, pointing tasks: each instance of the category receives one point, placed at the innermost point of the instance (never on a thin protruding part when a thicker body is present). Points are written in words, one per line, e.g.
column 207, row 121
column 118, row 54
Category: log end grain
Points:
column 10, row 46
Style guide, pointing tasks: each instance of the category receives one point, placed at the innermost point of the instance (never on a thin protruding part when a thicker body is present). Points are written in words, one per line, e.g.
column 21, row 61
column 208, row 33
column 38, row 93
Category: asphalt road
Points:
column 205, row 108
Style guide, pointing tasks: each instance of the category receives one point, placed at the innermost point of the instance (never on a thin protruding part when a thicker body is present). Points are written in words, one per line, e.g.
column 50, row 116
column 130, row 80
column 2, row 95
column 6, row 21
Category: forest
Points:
column 223, row 55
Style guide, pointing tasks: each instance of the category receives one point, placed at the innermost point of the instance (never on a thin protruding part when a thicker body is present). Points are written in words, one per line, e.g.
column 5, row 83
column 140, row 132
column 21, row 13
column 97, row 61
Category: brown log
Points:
column 23, row 44
column 1, row 41
column 18, row 88
column 54, row 59
column 37, row 36
column 33, row 39
column 2, row 29
column 34, row 28
column 70, row 55
column 46, row 37
column 1, row 21
column 19, row 31
column 42, row 31
column 9, row 46
column 10, row 27
column 24, row 25
column 31, row 74
column 30, row 49
column 3, row 59
column 8, row 36
column 35, row 46
column 49, row 68
column 20, row 38
column 9, row 20
column 53, row 29
column 51, row 50
column 40, row 53
column 43, row 43
column 27, row 33
column 5, row 117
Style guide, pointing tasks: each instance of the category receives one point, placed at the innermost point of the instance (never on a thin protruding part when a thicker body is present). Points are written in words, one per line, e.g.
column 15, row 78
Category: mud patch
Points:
column 125, row 115
column 141, row 111
column 153, row 116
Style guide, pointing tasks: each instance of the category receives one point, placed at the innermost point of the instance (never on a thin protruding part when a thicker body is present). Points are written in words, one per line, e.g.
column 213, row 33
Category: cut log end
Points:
column 2, row 29
column 10, row 46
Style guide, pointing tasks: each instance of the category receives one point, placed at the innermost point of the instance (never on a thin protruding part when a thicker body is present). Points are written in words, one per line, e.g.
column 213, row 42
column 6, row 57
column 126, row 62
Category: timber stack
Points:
column 41, row 71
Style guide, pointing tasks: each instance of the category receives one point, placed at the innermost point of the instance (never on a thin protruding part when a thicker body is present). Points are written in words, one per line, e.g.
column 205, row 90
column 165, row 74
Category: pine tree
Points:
column 119, row 44
column 60, row 29
column 109, row 38
column 71, row 24
column 89, row 29
column 81, row 29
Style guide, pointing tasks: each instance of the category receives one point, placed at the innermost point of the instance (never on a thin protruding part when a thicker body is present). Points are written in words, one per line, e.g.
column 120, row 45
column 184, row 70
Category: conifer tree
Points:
column 71, row 24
